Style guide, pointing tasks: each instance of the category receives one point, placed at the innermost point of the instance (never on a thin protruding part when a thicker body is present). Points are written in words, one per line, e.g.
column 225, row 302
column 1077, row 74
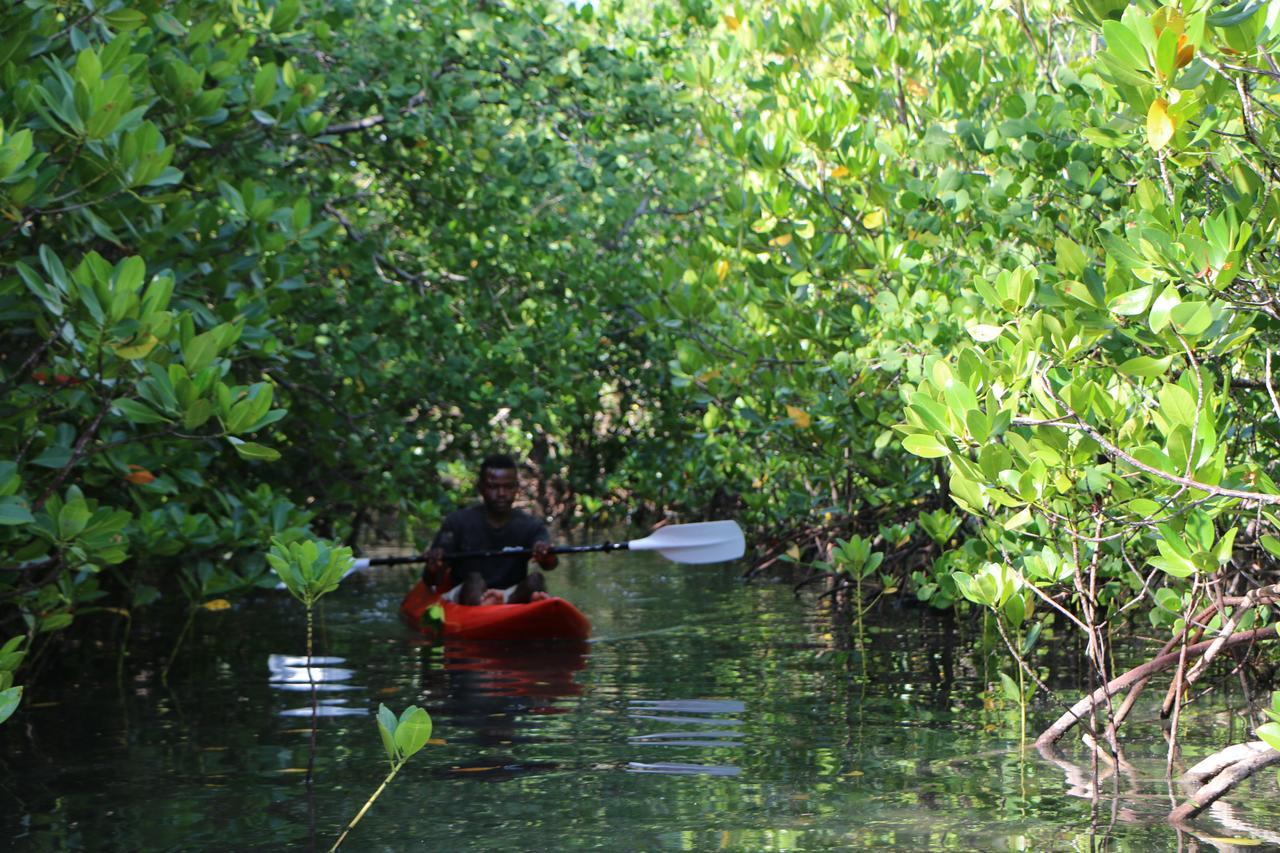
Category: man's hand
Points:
column 434, row 559
column 543, row 555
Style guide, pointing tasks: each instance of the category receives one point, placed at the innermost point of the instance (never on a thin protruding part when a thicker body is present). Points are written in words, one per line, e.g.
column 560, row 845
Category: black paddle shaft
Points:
column 500, row 552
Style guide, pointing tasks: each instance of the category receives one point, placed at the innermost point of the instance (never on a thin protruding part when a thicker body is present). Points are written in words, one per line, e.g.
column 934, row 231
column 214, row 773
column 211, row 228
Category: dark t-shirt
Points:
column 467, row 530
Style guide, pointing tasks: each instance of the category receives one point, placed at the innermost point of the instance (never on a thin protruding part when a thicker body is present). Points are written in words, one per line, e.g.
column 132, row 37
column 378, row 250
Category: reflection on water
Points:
column 294, row 674
column 479, row 668
column 706, row 715
column 709, row 723
column 671, row 769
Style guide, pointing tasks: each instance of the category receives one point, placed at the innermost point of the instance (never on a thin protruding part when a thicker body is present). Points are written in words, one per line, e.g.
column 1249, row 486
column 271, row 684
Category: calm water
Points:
column 704, row 715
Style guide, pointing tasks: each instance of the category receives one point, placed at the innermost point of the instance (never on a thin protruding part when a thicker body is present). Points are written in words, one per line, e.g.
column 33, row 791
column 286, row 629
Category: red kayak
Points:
column 549, row 619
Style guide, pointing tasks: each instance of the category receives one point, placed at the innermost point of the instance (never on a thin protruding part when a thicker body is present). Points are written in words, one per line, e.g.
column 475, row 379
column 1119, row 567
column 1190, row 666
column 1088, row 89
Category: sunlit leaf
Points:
column 799, row 417
column 1159, row 124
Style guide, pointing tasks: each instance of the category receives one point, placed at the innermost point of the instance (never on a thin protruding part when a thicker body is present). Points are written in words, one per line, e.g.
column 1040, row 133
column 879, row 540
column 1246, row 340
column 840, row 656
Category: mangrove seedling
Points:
column 309, row 569
column 401, row 738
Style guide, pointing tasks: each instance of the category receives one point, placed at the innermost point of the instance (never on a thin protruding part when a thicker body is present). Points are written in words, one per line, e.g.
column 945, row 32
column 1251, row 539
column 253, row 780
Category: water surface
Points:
column 704, row 715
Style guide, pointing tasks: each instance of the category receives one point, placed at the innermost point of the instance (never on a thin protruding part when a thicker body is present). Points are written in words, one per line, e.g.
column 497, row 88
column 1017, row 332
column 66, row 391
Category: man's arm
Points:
column 542, row 553
column 444, row 544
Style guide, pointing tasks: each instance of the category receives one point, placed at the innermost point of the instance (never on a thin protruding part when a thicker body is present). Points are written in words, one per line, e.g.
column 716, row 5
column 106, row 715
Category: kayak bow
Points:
column 548, row 619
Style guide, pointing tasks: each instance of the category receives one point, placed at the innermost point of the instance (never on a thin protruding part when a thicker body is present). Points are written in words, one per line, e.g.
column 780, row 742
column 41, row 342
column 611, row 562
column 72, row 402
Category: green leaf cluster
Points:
column 402, row 737
column 310, row 568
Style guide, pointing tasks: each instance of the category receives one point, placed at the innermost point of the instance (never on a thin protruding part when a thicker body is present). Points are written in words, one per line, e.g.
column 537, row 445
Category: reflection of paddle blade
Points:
column 683, row 769
column 702, row 542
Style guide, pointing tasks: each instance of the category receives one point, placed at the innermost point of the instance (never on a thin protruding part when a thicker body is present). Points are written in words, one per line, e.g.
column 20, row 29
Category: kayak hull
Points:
column 549, row 619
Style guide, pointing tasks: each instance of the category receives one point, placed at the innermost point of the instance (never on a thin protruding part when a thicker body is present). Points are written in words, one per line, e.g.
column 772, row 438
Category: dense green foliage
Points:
column 1045, row 243
column 845, row 267
column 418, row 228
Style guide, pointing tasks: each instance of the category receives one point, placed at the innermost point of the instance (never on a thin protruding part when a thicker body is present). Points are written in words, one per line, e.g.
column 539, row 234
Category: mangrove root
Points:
column 1223, row 771
column 1082, row 708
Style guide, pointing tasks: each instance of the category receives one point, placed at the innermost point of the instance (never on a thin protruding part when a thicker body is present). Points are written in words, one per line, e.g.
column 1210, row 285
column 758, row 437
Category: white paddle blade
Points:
column 701, row 542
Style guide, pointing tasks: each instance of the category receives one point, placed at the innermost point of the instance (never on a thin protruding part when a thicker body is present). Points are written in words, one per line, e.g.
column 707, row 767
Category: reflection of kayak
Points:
column 479, row 669
column 551, row 618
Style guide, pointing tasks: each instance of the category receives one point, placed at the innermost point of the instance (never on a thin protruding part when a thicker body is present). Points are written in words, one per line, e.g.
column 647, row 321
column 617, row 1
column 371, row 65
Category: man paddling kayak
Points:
column 492, row 524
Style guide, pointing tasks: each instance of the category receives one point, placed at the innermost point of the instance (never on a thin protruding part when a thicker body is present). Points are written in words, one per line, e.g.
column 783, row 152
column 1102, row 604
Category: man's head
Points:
column 498, row 483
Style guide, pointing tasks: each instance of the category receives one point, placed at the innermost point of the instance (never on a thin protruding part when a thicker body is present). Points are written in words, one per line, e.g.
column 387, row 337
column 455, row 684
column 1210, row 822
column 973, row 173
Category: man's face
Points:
column 498, row 489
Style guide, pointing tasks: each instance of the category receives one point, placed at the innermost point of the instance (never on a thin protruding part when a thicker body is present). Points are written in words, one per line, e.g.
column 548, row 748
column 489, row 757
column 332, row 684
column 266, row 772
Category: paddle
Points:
column 700, row 542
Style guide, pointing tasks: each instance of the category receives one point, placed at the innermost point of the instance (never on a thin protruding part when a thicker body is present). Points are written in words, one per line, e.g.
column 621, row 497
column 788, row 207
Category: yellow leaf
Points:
column 1159, row 124
column 732, row 22
column 839, row 172
column 217, row 604
column 722, row 269
column 1168, row 16
column 138, row 348
column 799, row 416
column 780, row 241
column 874, row 219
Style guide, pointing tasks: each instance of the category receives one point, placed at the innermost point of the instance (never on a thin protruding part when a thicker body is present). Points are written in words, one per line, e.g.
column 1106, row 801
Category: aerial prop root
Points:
column 1219, row 773
column 1081, row 709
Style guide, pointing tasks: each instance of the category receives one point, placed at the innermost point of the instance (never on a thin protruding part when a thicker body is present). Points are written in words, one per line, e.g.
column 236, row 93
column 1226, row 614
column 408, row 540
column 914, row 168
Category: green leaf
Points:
column 1161, row 309
column 1177, row 405
column 984, row 332
column 138, row 413
column 264, row 84
column 1133, row 302
column 387, row 728
column 123, row 20
column 14, row 510
column 255, row 451
column 9, row 700
column 197, row 413
column 200, row 351
column 1191, row 318
column 413, row 731
column 1269, row 733
column 1071, row 259
column 928, row 446
column 72, row 518
column 1125, row 46
column 1010, row 688
column 1146, row 366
